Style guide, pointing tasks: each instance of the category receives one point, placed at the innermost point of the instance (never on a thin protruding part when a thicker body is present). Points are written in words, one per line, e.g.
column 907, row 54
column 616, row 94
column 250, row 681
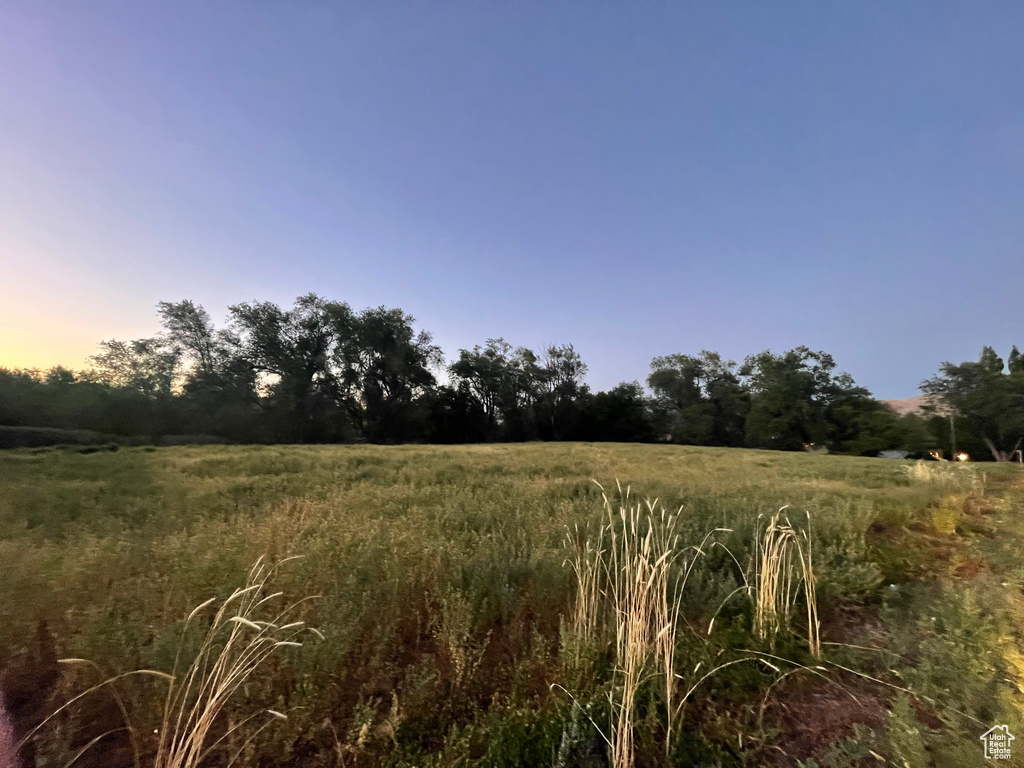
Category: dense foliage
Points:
column 321, row 372
column 988, row 397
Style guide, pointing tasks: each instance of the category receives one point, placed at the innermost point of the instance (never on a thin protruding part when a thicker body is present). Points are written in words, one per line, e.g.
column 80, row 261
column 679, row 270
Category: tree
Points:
column 701, row 399
column 863, row 426
column 559, row 380
column 292, row 350
column 60, row 398
column 791, row 398
column 507, row 385
column 219, row 390
column 190, row 327
column 385, row 367
column 481, row 371
column 619, row 415
column 729, row 400
column 149, row 366
column 989, row 396
column 456, row 416
column 677, row 381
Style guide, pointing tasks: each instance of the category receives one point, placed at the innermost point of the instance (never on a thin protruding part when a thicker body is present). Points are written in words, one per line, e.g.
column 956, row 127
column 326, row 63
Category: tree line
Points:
column 320, row 372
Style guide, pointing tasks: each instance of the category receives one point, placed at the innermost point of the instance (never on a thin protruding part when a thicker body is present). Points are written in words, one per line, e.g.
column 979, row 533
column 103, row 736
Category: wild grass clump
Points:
column 239, row 641
column 221, row 668
column 631, row 575
column 945, row 475
column 587, row 554
column 782, row 565
column 641, row 554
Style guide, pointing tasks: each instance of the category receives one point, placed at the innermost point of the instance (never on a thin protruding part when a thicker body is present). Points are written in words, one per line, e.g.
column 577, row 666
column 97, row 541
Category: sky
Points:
column 637, row 179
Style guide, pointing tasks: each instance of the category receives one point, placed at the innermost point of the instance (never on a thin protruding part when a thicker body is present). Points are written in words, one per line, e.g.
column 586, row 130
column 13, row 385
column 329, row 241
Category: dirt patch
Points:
column 813, row 714
column 968, row 569
column 853, row 624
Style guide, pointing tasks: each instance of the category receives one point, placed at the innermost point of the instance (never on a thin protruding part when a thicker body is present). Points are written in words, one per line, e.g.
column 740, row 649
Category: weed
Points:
column 222, row 667
column 776, row 580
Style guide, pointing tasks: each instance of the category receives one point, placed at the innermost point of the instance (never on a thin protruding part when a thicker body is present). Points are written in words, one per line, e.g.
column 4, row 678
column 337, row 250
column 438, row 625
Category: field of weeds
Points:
column 495, row 606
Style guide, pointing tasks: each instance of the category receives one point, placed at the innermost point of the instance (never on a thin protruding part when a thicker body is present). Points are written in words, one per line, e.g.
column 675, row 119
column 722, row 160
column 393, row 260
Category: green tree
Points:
column 619, row 415
column 292, row 351
column 60, row 398
column 219, row 391
column 386, row 368
column 728, row 398
column 148, row 366
column 864, row 426
column 190, row 327
column 559, row 380
column 455, row 416
column 793, row 396
column 506, row 383
column 481, row 371
column 989, row 396
column 700, row 400
column 677, row 382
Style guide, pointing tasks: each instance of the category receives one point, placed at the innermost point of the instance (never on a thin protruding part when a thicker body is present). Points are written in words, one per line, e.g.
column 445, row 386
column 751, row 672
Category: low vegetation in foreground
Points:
column 493, row 605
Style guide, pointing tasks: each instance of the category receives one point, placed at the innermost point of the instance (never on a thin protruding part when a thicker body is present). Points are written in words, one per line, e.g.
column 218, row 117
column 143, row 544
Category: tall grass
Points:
column 633, row 574
column 782, row 564
column 945, row 475
column 440, row 570
column 221, row 668
column 239, row 641
column 639, row 565
column 586, row 557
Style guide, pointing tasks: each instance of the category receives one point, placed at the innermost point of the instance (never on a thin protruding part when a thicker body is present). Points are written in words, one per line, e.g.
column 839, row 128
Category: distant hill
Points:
column 914, row 404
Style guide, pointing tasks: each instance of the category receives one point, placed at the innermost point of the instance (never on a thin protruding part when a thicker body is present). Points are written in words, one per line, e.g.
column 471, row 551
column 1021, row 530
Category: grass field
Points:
column 442, row 584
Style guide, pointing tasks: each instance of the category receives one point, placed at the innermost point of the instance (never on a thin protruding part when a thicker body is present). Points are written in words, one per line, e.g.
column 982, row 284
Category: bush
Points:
column 167, row 440
column 37, row 437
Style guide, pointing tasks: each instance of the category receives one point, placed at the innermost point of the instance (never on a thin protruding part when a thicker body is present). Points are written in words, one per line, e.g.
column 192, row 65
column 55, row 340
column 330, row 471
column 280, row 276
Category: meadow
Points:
column 471, row 605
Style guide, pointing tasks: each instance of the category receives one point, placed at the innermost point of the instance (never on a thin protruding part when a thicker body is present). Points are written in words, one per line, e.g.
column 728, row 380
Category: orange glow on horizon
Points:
column 31, row 351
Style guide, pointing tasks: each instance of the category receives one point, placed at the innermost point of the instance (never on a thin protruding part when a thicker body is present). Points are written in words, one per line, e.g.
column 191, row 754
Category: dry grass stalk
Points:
column 633, row 574
column 777, row 579
column 666, row 613
column 587, row 560
column 627, row 575
column 194, row 703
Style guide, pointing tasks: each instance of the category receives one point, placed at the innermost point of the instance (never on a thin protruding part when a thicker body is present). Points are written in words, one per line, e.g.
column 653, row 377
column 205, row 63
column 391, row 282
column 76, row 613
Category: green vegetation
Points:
column 988, row 398
column 453, row 627
column 36, row 437
column 323, row 373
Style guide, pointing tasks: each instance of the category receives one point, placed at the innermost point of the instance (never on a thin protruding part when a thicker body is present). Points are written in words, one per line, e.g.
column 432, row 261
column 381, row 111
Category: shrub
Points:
column 37, row 437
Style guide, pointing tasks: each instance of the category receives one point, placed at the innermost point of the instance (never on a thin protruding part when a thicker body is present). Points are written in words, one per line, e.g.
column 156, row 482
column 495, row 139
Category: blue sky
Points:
column 636, row 179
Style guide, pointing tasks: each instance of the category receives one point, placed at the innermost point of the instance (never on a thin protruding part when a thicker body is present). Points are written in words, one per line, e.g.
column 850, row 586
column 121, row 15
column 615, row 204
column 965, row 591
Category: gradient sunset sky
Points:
column 637, row 179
